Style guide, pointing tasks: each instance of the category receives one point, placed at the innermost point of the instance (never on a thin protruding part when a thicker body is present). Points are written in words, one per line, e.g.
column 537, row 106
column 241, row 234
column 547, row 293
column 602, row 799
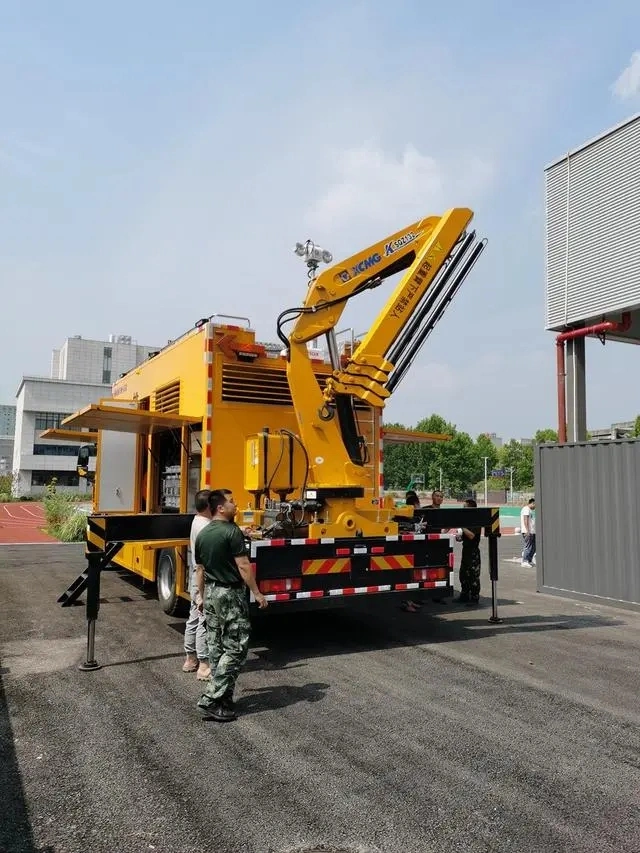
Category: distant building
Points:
column 82, row 372
column 623, row 429
column 97, row 362
column 7, row 430
column 494, row 439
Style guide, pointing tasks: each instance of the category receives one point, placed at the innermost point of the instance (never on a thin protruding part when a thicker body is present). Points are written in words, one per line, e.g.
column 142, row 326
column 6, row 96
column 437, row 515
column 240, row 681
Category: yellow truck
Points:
column 297, row 435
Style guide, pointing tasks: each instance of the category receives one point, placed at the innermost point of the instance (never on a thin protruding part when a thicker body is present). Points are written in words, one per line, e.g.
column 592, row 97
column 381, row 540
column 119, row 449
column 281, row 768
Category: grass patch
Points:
column 73, row 529
column 64, row 521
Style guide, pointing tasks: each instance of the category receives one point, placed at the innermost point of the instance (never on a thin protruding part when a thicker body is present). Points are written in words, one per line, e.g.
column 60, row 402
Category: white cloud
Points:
column 371, row 184
column 628, row 83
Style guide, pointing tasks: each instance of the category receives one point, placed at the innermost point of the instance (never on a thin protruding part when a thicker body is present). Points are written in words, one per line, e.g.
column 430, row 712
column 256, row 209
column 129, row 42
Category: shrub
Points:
column 5, row 487
column 58, row 508
column 73, row 529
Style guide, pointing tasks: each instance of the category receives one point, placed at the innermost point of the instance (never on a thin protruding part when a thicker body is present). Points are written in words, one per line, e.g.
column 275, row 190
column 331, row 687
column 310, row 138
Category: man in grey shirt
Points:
column 195, row 631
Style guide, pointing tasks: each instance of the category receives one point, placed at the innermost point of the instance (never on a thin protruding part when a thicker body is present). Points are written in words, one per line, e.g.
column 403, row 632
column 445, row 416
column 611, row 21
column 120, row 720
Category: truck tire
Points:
column 170, row 601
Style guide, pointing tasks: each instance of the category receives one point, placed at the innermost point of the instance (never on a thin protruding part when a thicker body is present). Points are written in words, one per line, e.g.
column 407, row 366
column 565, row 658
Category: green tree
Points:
column 545, row 435
column 401, row 461
column 485, row 447
column 636, row 427
column 458, row 460
column 457, row 463
column 434, row 457
column 519, row 457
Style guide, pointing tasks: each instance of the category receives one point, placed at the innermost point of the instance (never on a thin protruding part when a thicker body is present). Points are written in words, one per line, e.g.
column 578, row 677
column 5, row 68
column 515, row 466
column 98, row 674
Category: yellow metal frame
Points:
column 81, row 436
column 421, row 250
column 101, row 415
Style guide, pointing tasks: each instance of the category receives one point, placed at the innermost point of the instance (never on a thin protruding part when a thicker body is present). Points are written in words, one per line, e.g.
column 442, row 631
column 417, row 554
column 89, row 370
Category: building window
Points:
column 55, row 450
column 49, row 420
column 63, row 478
column 106, row 377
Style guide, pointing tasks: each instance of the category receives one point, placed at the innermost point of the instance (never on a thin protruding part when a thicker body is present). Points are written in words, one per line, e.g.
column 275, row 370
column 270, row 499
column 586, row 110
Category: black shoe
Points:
column 227, row 701
column 462, row 598
column 220, row 714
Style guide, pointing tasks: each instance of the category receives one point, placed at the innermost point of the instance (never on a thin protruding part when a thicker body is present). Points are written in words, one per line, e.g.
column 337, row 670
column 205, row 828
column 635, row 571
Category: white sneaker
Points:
column 526, row 565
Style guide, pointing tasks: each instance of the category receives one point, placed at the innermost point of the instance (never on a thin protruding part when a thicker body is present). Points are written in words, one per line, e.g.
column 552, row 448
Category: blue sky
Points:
column 158, row 161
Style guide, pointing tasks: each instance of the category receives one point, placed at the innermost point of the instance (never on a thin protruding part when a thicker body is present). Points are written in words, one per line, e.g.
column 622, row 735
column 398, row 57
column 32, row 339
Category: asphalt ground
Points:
column 368, row 729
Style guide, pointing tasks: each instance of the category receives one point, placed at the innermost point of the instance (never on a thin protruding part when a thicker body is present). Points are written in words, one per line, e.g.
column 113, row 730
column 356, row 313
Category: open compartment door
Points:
column 125, row 416
column 120, row 423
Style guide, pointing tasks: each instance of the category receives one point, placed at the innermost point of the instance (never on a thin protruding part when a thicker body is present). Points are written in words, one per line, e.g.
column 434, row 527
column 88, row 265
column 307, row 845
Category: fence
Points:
column 587, row 512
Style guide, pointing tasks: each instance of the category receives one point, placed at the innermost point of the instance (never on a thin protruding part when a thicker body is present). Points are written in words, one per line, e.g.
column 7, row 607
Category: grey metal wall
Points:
column 593, row 228
column 588, row 519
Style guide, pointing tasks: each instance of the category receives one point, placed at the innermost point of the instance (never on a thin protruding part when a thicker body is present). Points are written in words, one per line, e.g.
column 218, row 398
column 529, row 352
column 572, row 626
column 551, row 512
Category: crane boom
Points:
column 435, row 254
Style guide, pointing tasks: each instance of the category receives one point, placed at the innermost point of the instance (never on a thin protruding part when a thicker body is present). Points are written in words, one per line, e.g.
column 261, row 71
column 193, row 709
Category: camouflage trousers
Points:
column 470, row 574
column 228, row 634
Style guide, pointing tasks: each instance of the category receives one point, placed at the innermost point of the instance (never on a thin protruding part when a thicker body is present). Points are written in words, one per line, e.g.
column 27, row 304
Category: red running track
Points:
column 22, row 523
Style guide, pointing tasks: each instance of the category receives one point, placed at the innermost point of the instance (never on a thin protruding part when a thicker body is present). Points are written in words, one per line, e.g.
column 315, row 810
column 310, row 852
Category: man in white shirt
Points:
column 195, row 631
column 528, row 529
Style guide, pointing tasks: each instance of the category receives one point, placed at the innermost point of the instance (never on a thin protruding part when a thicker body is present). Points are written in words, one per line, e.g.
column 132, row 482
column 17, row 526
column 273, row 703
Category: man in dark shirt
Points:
column 470, row 562
column 222, row 571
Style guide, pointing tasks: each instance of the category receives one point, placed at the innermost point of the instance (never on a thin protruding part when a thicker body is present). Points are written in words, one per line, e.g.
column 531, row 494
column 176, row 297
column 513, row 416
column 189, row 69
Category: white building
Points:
column 97, row 362
column 7, row 430
column 82, row 372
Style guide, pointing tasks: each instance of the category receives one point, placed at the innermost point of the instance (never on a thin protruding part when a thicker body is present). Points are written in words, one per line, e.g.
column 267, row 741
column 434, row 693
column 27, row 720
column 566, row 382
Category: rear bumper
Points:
column 342, row 596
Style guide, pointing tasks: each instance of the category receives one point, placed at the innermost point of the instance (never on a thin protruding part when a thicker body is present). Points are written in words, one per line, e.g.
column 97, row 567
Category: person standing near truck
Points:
column 223, row 572
column 195, row 630
column 470, row 561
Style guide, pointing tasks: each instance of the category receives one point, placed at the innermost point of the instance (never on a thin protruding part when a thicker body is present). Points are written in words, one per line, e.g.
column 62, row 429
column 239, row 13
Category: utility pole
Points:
column 441, row 479
column 486, row 500
column 511, row 485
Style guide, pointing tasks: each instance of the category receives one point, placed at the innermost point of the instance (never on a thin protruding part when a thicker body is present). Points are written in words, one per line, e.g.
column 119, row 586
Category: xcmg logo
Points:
column 361, row 266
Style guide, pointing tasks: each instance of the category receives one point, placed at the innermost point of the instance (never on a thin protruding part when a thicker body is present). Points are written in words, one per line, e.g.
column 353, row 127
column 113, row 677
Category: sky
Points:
column 159, row 161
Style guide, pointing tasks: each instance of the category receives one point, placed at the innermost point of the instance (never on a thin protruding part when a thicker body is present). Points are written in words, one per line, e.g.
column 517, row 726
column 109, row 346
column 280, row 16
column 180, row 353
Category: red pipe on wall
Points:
column 597, row 329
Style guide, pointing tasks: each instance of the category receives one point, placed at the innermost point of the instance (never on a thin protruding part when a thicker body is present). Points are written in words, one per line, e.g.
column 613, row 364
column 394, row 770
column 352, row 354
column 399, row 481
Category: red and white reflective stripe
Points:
column 208, row 426
column 360, row 590
column 451, row 560
column 450, row 578
column 356, row 590
column 418, row 537
column 280, row 543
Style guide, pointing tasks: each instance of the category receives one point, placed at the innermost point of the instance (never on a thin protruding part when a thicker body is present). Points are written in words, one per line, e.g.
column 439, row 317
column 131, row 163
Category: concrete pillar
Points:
column 576, row 391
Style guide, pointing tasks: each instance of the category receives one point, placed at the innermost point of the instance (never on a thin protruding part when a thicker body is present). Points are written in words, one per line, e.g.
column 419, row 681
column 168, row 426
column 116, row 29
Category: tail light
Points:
column 431, row 574
column 280, row 585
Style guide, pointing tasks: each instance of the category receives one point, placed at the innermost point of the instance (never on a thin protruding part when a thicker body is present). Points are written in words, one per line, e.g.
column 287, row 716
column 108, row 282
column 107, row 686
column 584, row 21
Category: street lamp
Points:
column 511, row 485
column 486, row 500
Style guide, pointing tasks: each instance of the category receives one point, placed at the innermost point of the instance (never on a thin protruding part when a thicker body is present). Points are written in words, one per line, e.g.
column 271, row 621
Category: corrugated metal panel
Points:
column 587, row 511
column 556, row 259
column 593, row 229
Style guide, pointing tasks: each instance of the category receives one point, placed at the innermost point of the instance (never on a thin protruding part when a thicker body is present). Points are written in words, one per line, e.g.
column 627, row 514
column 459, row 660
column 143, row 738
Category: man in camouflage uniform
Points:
column 223, row 572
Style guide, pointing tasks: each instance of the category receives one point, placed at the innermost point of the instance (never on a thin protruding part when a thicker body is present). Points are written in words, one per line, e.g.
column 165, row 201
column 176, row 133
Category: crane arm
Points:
column 435, row 254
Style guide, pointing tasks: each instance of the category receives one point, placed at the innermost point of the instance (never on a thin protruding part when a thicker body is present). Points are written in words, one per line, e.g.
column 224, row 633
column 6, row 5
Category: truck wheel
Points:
column 169, row 599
